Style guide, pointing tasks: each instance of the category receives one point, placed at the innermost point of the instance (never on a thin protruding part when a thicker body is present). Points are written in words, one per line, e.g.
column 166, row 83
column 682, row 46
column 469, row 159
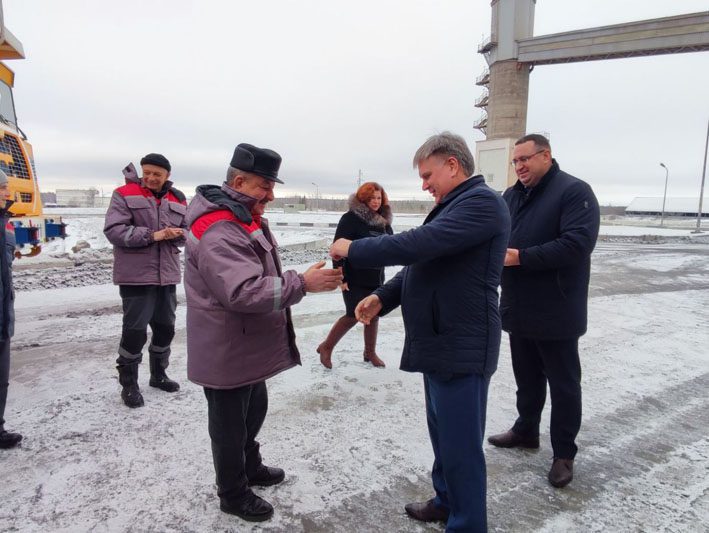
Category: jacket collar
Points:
column 6, row 210
column 227, row 198
column 380, row 218
column 162, row 192
column 467, row 184
column 543, row 183
column 471, row 182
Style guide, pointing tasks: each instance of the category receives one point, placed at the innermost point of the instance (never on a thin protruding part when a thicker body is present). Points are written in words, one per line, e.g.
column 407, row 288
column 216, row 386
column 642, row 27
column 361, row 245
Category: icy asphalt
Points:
column 353, row 440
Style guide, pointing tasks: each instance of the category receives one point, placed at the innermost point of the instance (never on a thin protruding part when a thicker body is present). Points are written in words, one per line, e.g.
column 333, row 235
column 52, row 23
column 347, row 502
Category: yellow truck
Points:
column 32, row 227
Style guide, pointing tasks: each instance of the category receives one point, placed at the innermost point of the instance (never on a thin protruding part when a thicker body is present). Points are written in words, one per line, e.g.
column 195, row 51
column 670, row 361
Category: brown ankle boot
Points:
column 370, row 343
column 339, row 329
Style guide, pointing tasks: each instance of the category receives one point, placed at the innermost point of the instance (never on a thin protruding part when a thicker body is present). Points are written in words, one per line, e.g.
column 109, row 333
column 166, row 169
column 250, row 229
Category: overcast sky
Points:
column 336, row 87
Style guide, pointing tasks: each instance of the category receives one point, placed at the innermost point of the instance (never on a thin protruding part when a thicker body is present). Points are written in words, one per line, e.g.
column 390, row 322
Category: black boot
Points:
column 9, row 440
column 158, row 378
column 128, row 378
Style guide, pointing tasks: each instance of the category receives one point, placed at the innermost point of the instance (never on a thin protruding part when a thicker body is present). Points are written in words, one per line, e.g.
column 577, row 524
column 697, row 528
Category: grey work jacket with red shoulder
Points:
column 134, row 214
column 239, row 327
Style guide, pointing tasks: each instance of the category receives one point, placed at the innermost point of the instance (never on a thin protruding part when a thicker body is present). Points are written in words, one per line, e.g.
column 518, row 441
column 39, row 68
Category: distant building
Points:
column 674, row 207
column 48, row 198
column 77, row 197
column 293, row 208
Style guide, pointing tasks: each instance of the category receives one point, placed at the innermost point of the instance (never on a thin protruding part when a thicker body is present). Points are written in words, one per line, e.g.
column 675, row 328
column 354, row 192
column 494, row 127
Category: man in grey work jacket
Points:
column 145, row 224
column 239, row 327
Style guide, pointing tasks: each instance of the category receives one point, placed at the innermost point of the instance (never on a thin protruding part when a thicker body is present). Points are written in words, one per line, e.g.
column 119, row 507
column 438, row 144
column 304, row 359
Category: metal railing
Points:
column 487, row 44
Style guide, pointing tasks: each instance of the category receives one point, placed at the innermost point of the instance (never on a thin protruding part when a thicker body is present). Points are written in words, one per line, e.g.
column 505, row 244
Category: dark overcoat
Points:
column 555, row 226
column 448, row 287
column 7, row 292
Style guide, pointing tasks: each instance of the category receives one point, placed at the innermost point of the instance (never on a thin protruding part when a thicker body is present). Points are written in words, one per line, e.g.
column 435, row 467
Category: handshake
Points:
column 319, row 279
column 369, row 307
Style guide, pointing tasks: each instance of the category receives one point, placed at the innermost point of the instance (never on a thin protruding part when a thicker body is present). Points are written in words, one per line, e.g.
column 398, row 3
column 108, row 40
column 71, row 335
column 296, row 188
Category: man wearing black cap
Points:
column 145, row 224
column 239, row 328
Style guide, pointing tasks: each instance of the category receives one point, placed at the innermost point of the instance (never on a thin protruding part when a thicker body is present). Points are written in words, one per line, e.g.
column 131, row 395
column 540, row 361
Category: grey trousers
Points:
column 143, row 306
column 4, row 377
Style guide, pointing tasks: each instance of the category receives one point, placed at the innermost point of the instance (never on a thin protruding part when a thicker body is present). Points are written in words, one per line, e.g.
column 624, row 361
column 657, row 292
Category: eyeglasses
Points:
column 525, row 158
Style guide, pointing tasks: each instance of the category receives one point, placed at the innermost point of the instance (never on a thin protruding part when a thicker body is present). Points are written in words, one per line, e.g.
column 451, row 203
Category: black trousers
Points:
column 536, row 362
column 235, row 418
column 4, row 377
column 143, row 306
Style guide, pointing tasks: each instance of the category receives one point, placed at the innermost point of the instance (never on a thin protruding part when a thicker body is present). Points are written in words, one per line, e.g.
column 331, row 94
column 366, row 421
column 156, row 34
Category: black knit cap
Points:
column 260, row 161
column 158, row 160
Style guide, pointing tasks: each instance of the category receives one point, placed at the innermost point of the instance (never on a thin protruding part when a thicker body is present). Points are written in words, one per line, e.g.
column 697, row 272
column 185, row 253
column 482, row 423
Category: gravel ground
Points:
column 95, row 267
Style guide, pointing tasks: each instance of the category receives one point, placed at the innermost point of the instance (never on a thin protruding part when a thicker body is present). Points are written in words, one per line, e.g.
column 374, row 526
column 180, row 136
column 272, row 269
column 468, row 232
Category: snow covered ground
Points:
column 353, row 440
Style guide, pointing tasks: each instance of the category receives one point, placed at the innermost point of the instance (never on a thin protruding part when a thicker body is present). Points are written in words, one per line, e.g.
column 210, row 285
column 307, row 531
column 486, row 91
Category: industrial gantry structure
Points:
column 512, row 51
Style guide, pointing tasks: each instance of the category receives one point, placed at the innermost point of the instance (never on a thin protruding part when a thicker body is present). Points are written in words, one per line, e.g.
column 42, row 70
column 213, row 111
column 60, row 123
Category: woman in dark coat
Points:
column 369, row 216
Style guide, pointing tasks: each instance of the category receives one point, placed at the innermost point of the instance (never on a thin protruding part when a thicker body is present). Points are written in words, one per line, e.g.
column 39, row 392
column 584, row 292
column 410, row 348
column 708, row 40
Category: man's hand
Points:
column 368, row 308
column 512, row 257
column 168, row 234
column 319, row 279
column 344, row 287
column 340, row 248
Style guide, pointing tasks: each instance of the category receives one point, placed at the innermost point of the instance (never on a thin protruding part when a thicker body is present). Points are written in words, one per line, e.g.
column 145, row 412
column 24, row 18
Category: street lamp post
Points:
column 664, row 197
column 317, row 195
column 701, row 189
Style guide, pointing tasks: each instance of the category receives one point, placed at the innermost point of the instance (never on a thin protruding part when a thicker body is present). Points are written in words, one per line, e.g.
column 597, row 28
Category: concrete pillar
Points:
column 507, row 102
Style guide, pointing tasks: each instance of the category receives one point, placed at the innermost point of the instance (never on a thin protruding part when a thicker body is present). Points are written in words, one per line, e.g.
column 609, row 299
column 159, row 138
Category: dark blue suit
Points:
column 449, row 302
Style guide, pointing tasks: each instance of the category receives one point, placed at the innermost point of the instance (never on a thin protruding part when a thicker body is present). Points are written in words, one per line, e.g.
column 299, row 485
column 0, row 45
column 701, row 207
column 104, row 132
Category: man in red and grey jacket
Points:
column 239, row 327
column 145, row 224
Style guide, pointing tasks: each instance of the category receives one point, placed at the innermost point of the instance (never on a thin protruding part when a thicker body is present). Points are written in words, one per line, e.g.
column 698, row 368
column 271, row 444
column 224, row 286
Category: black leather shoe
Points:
column 9, row 440
column 251, row 508
column 561, row 473
column 510, row 439
column 266, row 476
column 427, row 511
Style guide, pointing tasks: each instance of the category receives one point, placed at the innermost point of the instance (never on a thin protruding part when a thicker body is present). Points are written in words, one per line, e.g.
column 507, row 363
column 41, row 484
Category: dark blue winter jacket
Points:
column 448, row 288
column 7, row 293
column 555, row 227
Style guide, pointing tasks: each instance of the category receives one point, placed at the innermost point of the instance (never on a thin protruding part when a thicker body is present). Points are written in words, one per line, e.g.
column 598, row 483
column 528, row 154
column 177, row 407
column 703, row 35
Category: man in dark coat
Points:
column 145, row 222
column 7, row 309
column 555, row 220
column 449, row 301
